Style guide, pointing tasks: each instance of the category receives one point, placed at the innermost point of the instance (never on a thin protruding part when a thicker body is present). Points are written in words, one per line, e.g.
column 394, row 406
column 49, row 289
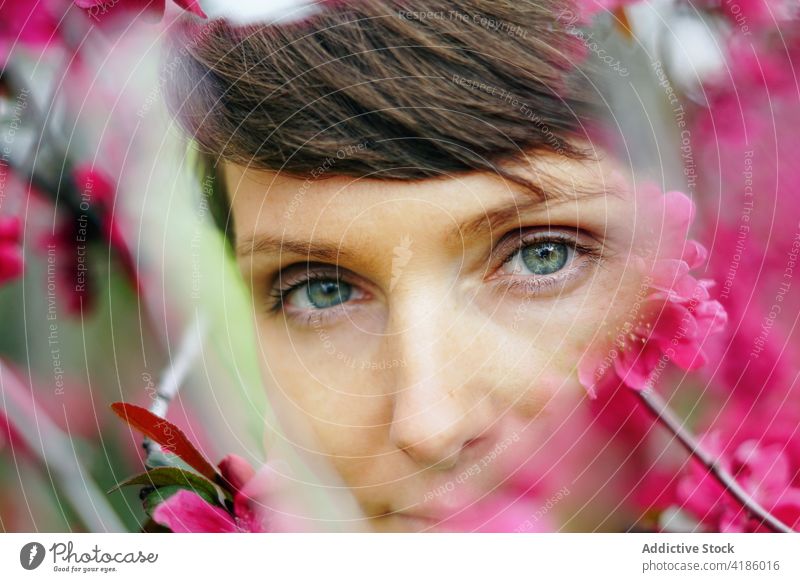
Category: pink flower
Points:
column 188, row 512
column 10, row 255
column 676, row 315
column 773, row 422
column 746, row 143
column 236, row 471
column 102, row 10
column 763, row 471
column 33, row 24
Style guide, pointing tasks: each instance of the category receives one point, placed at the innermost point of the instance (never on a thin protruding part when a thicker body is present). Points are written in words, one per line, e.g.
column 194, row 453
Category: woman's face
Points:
column 429, row 331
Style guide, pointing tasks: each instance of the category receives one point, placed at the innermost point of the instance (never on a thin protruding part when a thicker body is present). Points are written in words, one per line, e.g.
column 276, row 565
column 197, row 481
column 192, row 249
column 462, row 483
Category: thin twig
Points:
column 674, row 425
column 175, row 375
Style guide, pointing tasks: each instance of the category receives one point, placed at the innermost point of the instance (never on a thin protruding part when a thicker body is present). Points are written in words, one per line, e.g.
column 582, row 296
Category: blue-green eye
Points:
column 541, row 258
column 545, row 258
column 309, row 288
column 315, row 292
column 326, row 293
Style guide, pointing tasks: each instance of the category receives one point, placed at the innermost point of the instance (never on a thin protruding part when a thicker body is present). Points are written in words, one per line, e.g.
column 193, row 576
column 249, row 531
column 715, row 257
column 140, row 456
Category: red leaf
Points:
column 166, row 434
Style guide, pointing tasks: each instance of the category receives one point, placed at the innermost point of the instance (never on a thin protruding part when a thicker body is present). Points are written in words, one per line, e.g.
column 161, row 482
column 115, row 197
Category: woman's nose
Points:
column 439, row 406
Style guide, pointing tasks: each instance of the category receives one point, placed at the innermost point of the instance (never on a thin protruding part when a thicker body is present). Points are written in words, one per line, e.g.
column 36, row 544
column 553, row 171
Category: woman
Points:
column 435, row 233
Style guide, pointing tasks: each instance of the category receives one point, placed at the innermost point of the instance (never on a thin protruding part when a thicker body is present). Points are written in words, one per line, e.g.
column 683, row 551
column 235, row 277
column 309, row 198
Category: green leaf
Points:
column 173, row 476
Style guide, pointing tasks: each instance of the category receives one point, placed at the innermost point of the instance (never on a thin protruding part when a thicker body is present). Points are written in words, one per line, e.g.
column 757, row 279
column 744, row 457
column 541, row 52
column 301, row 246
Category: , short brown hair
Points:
column 388, row 89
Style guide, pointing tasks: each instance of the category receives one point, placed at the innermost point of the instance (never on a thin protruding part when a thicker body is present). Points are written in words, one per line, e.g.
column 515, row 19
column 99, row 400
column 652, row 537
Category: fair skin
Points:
column 443, row 318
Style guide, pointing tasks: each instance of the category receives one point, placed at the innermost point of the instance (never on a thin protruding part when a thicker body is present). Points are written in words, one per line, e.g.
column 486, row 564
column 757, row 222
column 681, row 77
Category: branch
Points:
column 174, row 376
column 674, row 425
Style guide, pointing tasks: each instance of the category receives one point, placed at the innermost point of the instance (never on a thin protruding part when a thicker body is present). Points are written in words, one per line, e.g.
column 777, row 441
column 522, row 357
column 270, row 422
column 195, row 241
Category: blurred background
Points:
column 115, row 285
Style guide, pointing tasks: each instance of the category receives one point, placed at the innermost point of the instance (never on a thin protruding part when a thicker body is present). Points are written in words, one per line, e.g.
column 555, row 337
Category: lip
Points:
column 466, row 514
column 439, row 516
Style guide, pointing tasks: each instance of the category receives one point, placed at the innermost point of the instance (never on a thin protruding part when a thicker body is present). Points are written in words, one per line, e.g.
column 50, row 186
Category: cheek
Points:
column 342, row 402
column 543, row 342
column 329, row 378
column 530, row 375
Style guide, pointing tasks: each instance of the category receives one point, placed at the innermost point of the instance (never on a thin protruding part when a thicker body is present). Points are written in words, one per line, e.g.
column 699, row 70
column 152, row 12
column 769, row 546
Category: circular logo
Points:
column 31, row 555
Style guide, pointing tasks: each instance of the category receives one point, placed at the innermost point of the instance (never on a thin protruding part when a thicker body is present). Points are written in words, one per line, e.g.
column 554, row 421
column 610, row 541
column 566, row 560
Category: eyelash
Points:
column 281, row 293
column 530, row 284
column 593, row 255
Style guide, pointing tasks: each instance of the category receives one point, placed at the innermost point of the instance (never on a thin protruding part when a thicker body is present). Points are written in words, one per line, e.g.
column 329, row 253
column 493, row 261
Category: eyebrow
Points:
column 328, row 251
column 500, row 215
column 266, row 243
column 508, row 212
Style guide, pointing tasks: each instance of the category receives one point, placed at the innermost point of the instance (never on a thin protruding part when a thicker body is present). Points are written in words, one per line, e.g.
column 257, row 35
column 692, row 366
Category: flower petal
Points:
column 236, row 471
column 694, row 254
column 634, row 366
column 187, row 512
column 192, row 6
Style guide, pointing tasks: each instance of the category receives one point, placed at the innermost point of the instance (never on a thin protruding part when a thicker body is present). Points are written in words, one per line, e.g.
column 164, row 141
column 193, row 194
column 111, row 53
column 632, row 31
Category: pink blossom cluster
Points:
column 675, row 317
column 188, row 512
column 85, row 200
column 745, row 139
column 763, row 471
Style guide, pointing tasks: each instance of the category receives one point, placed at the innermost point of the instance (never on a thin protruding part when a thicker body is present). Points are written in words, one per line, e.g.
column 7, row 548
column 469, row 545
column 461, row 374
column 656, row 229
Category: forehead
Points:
column 266, row 202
